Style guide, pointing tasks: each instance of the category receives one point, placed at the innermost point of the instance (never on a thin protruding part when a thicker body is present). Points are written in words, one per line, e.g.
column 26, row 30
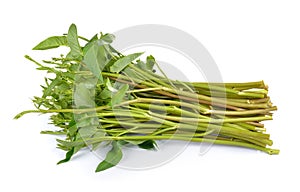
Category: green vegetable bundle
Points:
column 97, row 95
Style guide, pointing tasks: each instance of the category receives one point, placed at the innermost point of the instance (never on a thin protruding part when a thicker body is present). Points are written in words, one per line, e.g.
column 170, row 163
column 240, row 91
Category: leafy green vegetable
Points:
column 96, row 96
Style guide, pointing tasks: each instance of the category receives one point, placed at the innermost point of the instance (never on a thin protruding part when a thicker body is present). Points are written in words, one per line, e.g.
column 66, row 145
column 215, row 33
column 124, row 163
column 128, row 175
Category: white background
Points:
column 249, row 40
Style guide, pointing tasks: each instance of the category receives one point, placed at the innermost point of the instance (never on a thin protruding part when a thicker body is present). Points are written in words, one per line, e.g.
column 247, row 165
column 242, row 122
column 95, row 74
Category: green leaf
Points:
column 113, row 157
column 83, row 96
column 150, row 61
column 85, row 119
column 69, row 154
column 72, row 127
column 144, row 144
column 100, row 133
column 105, row 94
column 118, row 85
column 49, row 90
column 121, row 63
column 119, row 96
column 52, row 42
column 95, row 59
column 109, row 38
column 87, row 126
column 141, row 65
column 113, row 50
column 149, row 144
column 109, row 86
column 76, row 52
column 89, row 44
column 88, row 131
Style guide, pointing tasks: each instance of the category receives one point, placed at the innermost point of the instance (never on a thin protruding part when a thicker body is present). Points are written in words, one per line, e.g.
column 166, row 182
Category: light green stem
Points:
column 175, row 137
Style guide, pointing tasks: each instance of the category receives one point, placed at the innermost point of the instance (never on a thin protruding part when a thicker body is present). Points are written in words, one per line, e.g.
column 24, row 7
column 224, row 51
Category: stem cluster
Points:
column 99, row 95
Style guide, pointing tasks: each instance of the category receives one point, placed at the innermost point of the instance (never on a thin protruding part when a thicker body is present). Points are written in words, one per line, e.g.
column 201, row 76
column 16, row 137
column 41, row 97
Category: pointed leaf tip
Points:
column 72, row 38
column 113, row 157
column 123, row 62
column 69, row 154
column 52, row 42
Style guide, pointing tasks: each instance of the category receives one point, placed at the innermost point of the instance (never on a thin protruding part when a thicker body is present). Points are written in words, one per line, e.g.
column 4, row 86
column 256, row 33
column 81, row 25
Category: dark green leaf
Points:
column 119, row 96
column 144, row 144
column 121, row 63
column 52, row 42
column 76, row 52
column 149, row 144
column 105, row 94
column 69, row 154
column 113, row 157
